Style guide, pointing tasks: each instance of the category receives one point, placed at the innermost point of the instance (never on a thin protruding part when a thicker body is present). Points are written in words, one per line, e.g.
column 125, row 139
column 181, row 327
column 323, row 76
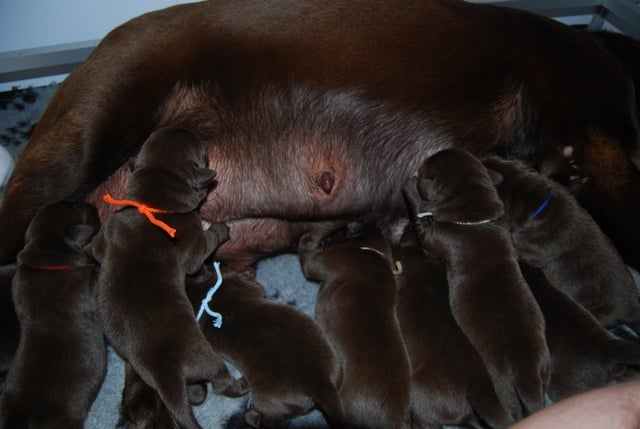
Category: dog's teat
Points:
column 326, row 180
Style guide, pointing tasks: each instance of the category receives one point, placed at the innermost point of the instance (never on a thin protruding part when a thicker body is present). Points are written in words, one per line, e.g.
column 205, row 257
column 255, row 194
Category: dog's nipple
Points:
column 567, row 151
column 326, row 180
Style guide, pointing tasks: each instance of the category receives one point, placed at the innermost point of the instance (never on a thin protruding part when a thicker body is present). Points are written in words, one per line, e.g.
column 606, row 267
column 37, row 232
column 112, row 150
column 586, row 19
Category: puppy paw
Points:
column 531, row 381
column 221, row 230
column 253, row 418
column 412, row 197
column 234, row 389
column 197, row 393
column 308, row 242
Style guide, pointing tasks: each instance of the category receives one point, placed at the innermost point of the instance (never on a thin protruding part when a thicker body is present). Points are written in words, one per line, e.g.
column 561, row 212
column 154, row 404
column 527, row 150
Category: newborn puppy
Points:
column 356, row 308
column 584, row 355
column 287, row 359
column 552, row 232
column 449, row 382
column 142, row 302
column 61, row 358
column 457, row 213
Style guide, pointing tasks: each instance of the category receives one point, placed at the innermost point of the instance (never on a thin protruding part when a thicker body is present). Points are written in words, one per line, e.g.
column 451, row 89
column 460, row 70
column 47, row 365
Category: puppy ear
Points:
column 496, row 177
column 79, row 235
column 97, row 247
column 131, row 164
column 427, row 188
column 203, row 177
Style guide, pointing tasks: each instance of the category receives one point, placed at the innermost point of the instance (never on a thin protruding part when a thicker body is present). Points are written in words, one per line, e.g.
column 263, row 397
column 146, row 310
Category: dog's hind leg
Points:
column 141, row 405
column 485, row 403
column 172, row 389
column 329, row 402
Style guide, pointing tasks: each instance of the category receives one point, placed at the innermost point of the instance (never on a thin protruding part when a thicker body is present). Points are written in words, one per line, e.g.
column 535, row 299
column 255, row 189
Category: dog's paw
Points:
column 520, row 378
column 221, row 232
column 233, row 388
column 197, row 393
column 530, row 381
column 412, row 197
column 253, row 418
column 308, row 242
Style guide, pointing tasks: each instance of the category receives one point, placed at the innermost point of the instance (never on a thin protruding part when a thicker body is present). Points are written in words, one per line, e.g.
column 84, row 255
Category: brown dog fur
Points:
column 355, row 307
column 583, row 354
column 287, row 359
column 450, row 384
column 142, row 407
column 566, row 244
column 143, row 306
column 489, row 299
column 465, row 69
column 61, row 358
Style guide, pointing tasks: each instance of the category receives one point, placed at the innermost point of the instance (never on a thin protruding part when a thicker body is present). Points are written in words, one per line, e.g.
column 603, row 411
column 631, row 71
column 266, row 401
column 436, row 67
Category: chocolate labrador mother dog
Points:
column 477, row 76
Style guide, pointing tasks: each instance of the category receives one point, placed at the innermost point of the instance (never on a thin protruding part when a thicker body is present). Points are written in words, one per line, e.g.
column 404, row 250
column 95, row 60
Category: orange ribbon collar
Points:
column 145, row 210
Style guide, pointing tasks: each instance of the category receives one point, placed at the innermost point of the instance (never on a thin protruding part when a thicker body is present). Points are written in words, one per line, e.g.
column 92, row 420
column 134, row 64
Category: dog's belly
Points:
column 296, row 160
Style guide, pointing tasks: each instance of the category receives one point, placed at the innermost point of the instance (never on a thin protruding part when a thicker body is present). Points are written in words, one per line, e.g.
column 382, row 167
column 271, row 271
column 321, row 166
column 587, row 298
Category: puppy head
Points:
column 523, row 190
column 458, row 188
column 58, row 233
column 171, row 172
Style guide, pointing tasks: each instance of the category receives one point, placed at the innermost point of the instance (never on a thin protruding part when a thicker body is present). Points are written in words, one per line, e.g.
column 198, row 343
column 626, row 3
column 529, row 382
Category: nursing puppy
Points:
column 552, row 232
column 449, row 382
column 584, row 355
column 457, row 218
column 356, row 308
column 143, row 306
column 287, row 359
column 61, row 359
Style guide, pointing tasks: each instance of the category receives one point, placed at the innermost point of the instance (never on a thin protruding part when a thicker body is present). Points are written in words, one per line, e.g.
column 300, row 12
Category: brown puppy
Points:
column 143, row 306
column 61, row 358
column 583, row 354
column 450, row 384
column 457, row 214
column 287, row 359
column 552, row 232
column 356, row 308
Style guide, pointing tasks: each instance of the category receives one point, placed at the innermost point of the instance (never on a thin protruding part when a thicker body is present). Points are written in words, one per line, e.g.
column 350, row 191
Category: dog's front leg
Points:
column 310, row 258
column 213, row 237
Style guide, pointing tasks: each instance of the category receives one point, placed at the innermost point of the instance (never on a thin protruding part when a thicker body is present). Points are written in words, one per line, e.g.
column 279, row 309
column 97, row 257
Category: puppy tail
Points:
column 329, row 402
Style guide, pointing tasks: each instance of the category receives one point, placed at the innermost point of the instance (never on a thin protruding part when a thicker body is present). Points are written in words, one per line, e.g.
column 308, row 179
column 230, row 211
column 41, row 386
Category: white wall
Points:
column 26, row 24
